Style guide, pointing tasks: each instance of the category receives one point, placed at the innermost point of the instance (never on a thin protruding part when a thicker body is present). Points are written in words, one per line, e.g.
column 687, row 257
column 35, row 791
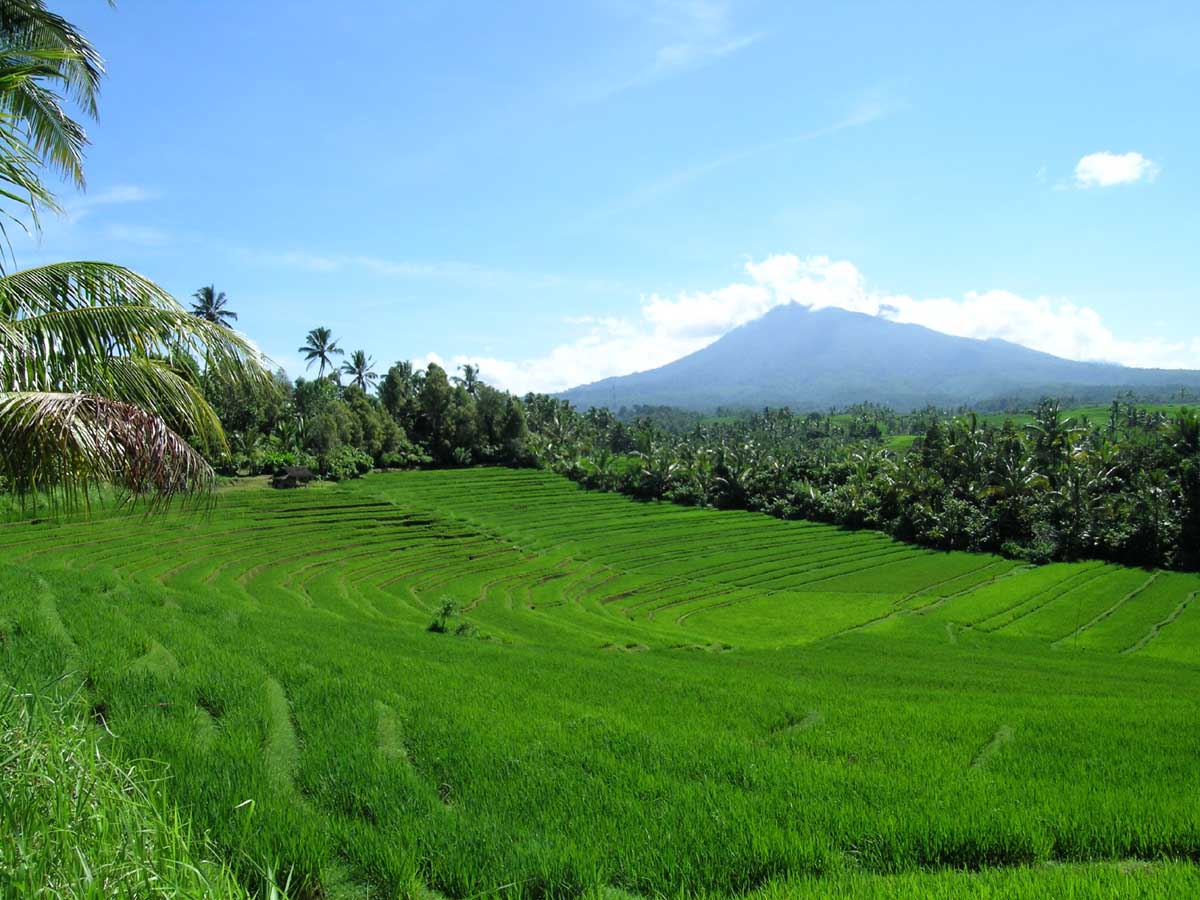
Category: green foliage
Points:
column 95, row 390
column 272, row 461
column 344, row 462
column 361, row 369
column 320, row 347
column 447, row 609
column 213, row 306
column 1050, row 485
column 418, row 418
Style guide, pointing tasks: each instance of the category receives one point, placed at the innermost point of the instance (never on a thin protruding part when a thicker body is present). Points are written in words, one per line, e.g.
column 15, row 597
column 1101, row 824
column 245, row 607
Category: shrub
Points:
column 273, row 461
column 447, row 610
column 406, row 457
column 345, row 462
column 465, row 629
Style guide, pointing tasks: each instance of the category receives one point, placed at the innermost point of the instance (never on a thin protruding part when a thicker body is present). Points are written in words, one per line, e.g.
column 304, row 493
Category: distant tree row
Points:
column 1125, row 489
column 415, row 417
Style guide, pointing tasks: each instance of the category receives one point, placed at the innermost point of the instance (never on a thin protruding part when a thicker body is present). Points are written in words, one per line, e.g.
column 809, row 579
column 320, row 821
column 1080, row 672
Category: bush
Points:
column 465, row 629
column 406, row 457
column 1041, row 548
column 345, row 462
column 271, row 462
column 447, row 610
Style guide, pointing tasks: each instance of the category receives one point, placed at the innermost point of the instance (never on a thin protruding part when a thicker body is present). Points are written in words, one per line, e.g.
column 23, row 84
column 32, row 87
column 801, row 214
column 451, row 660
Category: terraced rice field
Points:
column 643, row 698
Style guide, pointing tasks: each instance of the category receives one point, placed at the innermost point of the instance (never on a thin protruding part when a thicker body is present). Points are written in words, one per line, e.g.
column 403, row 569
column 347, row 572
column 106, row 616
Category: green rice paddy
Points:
column 627, row 699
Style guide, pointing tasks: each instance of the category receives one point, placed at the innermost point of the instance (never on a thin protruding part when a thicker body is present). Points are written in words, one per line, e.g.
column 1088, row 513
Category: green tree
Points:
column 435, row 402
column 88, row 393
column 361, row 369
column 398, row 393
column 469, row 378
column 210, row 304
column 320, row 347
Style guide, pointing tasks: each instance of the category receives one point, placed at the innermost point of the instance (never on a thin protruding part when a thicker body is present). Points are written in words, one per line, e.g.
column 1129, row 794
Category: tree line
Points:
column 1126, row 489
column 407, row 417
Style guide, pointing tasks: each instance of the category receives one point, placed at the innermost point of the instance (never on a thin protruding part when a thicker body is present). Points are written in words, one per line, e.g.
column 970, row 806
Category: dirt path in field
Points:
column 1002, row 736
column 1108, row 612
column 1154, row 631
column 281, row 749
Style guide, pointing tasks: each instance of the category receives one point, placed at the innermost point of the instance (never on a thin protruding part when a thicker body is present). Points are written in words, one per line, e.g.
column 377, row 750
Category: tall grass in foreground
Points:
column 74, row 824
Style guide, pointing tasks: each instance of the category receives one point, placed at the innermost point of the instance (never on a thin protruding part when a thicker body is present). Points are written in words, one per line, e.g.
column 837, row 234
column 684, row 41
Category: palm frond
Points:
column 156, row 387
column 74, row 316
column 70, row 285
column 53, row 135
column 62, row 444
column 80, row 339
column 28, row 25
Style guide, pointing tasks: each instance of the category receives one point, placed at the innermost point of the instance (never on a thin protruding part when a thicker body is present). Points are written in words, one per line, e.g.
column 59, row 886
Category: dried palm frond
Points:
column 61, row 444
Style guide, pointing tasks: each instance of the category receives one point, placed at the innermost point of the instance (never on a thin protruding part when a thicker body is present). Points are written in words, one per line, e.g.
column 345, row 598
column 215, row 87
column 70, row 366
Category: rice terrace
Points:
column 630, row 697
column 605, row 450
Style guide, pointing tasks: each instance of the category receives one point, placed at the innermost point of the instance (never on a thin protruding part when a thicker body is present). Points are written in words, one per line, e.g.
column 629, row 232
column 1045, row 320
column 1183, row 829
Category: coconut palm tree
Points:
column 469, row 378
column 209, row 304
column 44, row 60
column 361, row 369
column 320, row 347
column 87, row 392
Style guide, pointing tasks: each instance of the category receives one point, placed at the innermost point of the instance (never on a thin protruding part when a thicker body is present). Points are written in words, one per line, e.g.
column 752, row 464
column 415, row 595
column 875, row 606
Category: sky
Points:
column 559, row 192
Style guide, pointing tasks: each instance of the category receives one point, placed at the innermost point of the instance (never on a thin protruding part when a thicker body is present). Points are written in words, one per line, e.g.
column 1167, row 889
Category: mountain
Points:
column 813, row 359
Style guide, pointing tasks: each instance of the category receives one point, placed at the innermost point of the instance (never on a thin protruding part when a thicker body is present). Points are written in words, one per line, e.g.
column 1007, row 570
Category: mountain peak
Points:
column 812, row 359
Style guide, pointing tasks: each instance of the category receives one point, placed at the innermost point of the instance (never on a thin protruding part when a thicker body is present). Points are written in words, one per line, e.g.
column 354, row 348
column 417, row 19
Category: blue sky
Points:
column 563, row 191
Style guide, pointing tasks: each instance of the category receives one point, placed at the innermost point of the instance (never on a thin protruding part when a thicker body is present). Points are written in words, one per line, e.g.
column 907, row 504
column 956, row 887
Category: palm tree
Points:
column 321, row 348
column 210, row 305
column 469, row 378
column 361, row 369
column 1186, row 432
column 45, row 60
column 87, row 392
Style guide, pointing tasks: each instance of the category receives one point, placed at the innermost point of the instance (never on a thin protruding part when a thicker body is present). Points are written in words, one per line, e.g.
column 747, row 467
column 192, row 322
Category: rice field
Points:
column 621, row 698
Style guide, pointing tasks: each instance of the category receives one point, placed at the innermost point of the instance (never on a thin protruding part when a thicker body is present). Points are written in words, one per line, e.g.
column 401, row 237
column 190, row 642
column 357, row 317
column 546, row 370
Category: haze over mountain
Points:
column 813, row 359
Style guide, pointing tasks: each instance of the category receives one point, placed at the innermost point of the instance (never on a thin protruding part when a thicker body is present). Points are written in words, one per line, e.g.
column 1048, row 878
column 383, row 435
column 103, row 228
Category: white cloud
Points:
column 670, row 327
column 123, row 193
column 117, row 195
column 1108, row 169
column 75, row 223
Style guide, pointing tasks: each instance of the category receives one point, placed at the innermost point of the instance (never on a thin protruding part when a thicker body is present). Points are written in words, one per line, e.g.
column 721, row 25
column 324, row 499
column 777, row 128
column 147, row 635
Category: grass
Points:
column 627, row 698
column 77, row 825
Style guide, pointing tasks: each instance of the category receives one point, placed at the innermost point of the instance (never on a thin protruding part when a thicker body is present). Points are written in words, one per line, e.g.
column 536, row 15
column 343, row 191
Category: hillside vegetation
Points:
column 1043, row 486
column 490, row 682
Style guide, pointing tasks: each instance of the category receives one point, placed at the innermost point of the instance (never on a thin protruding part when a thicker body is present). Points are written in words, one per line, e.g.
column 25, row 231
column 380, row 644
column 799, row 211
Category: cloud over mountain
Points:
column 669, row 327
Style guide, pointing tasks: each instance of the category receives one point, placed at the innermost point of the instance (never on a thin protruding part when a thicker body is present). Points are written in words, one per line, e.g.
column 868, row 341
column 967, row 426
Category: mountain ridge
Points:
column 813, row 359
